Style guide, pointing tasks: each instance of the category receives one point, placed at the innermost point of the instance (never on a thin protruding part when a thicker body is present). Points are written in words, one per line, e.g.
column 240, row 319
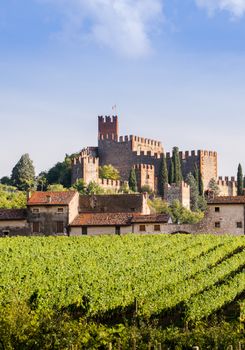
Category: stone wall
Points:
column 228, row 187
column 177, row 192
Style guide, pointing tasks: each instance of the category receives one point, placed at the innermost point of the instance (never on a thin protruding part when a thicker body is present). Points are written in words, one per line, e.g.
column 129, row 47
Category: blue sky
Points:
column 175, row 69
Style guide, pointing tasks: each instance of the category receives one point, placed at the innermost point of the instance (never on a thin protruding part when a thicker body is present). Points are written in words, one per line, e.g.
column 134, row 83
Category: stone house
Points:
column 13, row 222
column 50, row 213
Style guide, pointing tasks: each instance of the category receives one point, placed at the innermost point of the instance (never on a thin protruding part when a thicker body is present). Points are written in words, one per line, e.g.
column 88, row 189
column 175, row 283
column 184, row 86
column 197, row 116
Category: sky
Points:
column 175, row 70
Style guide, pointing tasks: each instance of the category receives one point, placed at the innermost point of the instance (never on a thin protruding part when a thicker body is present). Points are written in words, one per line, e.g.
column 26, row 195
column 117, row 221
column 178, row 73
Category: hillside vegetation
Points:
column 86, row 292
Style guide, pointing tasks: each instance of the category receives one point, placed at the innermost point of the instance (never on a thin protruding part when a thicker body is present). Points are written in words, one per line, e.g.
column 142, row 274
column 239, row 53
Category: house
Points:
column 226, row 215
column 13, row 222
column 50, row 213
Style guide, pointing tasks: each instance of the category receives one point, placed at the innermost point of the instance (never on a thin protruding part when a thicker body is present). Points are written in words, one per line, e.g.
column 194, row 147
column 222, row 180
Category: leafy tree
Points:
column 158, row 206
column 171, row 173
column 177, row 166
column 11, row 198
column 42, row 182
column 125, row 188
column 23, row 173
column 213, row 186
column 6, row 181
column 109, row 172
column 239, row 181
column 61, row 173
column 191, row 181
column 202, row 203
column 163, row 175
column 94, row 188
column 80, row 186
column 147, row 189
column 201, row 185
column 132, row 180
column 56, row 188
column 182, row 215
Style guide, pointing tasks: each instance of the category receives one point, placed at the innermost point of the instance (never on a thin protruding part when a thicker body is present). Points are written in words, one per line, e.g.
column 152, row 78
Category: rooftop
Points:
column 227, row 200
column 12, row 214
column 51, row 198
column 102, row 219
column 161, row 218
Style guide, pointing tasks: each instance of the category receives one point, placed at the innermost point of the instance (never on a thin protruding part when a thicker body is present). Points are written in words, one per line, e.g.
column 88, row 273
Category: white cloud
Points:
column 235, row 7
column 122, row 25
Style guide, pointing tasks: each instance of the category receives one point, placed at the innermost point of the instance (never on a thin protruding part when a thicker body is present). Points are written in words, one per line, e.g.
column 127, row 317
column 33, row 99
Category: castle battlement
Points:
column 144, row 166
column 193, row 153
column 226, row 180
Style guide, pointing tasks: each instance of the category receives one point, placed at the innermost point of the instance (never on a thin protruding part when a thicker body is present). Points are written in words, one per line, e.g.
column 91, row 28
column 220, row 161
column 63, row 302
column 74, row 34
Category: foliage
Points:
column 158, row 206
column 132, row 180
column 23, row 173
column 80, row 186
column 11, row 198
column 5, row 180
column 191, row 181
column 56, row 188
column 147, row 189
column 94, row 188
column 163, row 175
column 42, row 182
column 60, row 173
column 177, row 166
column 181, row 215
column 213, row 186
column 171, row 172
column 109, row 172
column 202, row 203
column 81, row 292
column 239, row 181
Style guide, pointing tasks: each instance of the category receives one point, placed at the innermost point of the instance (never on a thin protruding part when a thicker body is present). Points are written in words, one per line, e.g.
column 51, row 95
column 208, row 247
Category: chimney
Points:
column 49, row 199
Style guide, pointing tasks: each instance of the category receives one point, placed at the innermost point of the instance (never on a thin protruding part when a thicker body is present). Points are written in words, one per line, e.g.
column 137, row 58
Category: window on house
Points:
column 84, row 230
column 142, row 228
column 118, row 230
column 217, row 224
column 5, row 233
column 157, row 228
column 239, row 224
column 36, row 227
column 59, row 227
column 217, row 209
column 60, row 210
column 35, row 210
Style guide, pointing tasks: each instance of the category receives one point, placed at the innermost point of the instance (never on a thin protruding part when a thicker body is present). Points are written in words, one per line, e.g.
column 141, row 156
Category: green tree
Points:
column 171, row 172
column 23, row 173
column 80, row 186
column 42, row 182
column 5, row 180
column 182, row 215
column 201, row 185
column 158, row 206
column 163, row 175
column 194, row 193
column 60, row 173
column 11, row 198
column 132, row 180
column 177, row 166
column 239, row 181
column 213, row 186
column 109, row 172
column 56, row 188
column 147, row 189
column 94, row 188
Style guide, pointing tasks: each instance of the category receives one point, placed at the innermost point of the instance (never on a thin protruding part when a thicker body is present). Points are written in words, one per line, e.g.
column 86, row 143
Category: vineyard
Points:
column 170, row 281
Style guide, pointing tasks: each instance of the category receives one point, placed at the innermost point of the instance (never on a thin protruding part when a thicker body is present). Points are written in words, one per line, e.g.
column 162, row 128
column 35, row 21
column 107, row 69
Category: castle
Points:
column 145, row 156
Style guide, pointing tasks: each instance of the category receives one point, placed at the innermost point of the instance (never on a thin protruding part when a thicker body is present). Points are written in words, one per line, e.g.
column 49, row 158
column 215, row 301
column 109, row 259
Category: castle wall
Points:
column 108, row 127
column 228, row 187
column 145, row 175
column 108, row 184
column 180, row 193
column 86, row 166
column 122, row 157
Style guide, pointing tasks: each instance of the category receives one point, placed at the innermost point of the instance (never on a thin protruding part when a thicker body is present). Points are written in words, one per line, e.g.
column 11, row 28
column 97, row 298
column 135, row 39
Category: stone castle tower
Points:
column 142, row 154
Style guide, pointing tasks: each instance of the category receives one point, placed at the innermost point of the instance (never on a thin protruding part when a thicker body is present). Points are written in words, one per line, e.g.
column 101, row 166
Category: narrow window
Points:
column 59, row 227
column 217, row 209
column 118, row 230
column 142, row 228
column 217, row 224
column 84, row 230
column 36, row 227
column 157, row 228
column 60, row 210
column 239, row 224
column 35, row 210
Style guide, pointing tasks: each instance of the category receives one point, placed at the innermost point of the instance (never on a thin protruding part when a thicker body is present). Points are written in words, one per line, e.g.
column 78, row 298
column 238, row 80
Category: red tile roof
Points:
column 227, row 200
column 160, row 218
column 114, row 219
column 102, row 219
column 51, row 198
column 12, row 214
